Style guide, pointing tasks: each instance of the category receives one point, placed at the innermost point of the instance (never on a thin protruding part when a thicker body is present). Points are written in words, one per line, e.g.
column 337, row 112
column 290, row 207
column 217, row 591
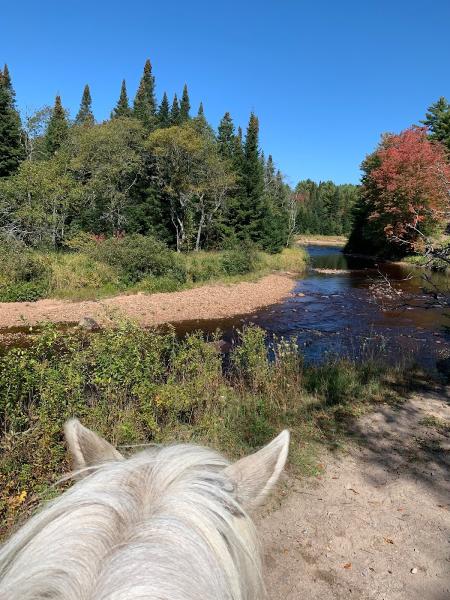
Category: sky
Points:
column 325, row 77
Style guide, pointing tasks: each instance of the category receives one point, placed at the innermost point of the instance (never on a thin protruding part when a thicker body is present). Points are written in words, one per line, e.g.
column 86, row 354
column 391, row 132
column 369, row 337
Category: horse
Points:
column 168, row 523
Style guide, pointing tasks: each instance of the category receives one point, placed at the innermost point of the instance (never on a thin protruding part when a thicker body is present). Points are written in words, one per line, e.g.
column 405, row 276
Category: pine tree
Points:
column 185, row 105
column 122, row 108
column 175, row 112
column 85, row 116
column 11, row 149
column 438, row 121
column 57, row 128
column 226, row 136
column 164, row 112
column 253, row 171
column 201, row 125
column 144, row 107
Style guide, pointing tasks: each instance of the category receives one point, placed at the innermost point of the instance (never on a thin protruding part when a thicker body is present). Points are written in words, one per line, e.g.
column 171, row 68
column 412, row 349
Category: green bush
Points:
column 137, row 256
column 25, row 273
column 154, row 285
column 23, row 291
column 135, row 385
column 240, row 259
column 204, row 266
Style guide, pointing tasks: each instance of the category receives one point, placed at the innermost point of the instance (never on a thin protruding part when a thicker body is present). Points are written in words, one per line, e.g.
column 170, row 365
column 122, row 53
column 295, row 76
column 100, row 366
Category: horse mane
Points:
column 164, row 524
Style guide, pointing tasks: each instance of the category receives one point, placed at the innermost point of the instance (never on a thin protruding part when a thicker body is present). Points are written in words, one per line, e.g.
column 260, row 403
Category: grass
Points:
column 440, row 425
column 134, row 385
column 81, row 276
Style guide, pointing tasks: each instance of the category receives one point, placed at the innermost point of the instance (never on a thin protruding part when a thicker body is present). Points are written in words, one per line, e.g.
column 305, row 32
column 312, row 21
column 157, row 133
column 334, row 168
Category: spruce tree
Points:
column 85, row 115
column 253, row 176
column 175, row 112
column 164, row 112
column 226, row 136
column 122, row 108
column 201, row 125
column 185, row 105
column 144, row 107
column 11, row 149
column 57, row 128
column 438, row 121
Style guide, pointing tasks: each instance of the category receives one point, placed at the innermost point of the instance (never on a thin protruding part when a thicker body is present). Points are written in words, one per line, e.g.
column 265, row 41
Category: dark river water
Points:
column 353, row 307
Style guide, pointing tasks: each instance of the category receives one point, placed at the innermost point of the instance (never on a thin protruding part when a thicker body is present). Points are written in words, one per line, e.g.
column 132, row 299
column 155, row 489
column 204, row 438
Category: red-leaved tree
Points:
column 406, row 187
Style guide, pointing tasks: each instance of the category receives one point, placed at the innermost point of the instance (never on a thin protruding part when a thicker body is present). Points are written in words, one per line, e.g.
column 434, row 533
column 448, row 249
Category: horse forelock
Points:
column 162, row 524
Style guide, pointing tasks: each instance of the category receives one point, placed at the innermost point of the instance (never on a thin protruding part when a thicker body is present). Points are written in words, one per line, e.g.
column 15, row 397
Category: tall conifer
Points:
column 57, row 128
column 11, row 149
column 185, row 105
column 225, row 137
column 144, row 107
column 164, row 112
column 85, row 115
column 175, row 112
column 122, row 108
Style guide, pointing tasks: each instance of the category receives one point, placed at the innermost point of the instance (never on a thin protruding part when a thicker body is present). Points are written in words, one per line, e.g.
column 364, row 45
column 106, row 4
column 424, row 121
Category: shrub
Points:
column 136, row 385
column 240, row 259
column 136, row 256
column 203, row 266
column 25, row 273
column 154, row 285
column 72, row 271
column 23, row 291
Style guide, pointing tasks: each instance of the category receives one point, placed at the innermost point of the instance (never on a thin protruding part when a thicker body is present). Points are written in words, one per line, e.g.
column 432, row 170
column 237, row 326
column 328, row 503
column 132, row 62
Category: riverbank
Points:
column 136, row 385
column 213, row 301
column 337, row 241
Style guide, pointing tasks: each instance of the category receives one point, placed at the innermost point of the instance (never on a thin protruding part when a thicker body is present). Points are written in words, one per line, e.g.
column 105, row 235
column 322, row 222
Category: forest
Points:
column 151, row 169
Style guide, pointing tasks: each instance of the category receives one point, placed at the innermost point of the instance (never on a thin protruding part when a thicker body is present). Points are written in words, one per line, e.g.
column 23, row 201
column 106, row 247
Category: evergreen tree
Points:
column 438, row 121
column 164, row 112
column 144, row 107
column 85, row 115
column 122, row 108
column 175, row 112
column 226, row 136
column 11, row 149
column 185, row 105
column 201, row 124
column 57, row 128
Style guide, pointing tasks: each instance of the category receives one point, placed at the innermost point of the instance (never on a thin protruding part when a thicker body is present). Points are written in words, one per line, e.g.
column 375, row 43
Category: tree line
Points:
column 151, row 168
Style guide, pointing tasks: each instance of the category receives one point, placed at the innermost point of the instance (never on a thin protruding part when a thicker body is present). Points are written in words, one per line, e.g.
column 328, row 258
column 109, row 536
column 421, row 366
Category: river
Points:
column 334, row 310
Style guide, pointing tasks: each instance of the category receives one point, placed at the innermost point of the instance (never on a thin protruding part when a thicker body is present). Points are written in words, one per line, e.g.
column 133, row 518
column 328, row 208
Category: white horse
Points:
column 169, row 523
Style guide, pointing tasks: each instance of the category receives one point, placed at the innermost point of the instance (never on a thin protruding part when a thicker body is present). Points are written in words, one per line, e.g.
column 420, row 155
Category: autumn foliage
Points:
column 406, row 187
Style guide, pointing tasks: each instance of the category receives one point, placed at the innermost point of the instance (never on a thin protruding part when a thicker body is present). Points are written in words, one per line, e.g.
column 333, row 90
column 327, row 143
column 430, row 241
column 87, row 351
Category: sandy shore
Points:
column 207, row 302
column 322, row 240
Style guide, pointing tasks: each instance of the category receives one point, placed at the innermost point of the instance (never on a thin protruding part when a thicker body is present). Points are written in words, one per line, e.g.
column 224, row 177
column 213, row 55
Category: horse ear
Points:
column 255, row 475
column 86, row 447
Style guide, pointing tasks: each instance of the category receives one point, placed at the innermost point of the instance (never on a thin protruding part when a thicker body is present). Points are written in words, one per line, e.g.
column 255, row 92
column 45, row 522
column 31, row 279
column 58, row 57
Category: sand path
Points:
column 376, row 524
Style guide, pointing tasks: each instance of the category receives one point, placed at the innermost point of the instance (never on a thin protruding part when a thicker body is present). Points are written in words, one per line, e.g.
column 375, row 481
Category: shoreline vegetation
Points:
column 136, row 385
column 208, row 292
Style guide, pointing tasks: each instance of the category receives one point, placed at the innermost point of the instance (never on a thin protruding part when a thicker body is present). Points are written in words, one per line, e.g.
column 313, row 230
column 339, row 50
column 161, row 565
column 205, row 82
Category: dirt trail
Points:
column 206, row 302
column 376, row 524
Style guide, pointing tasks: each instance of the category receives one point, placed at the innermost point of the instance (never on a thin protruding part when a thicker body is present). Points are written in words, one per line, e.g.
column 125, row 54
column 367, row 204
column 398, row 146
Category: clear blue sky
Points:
column 325, row 77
